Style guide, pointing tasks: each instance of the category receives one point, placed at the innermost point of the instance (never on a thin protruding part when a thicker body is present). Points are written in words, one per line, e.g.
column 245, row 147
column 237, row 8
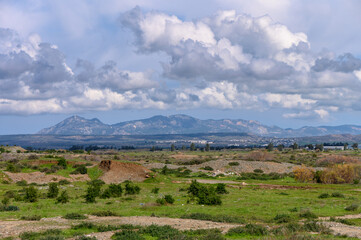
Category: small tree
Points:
column 295, row 146
column 207, row 148
column 192, row 147
column 172, row 147
column 319, row 147
column 355, row 146
column 62, row 163
column 270, row 147
column 31, row 194
column 63, row 198
column 280, row 147
column 53, row 190
column 91, row 193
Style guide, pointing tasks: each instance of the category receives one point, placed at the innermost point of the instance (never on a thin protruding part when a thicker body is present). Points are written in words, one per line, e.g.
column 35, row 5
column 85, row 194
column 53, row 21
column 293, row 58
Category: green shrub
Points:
column 221, row 188
column 337, row 195
column 352, row 207
column 307, row 214
column 161, row 201
column 205, row 195
column 324, row 195
column 131, row 189
column 258, row 171
column 83, row 237
column 208, row 168
column 80, row 169
column 31, row 218
column 214, row 218
column 161, row 232
column 155, row 190
column 113, row 190
column 169, row 199
column 9, row 208
column 250, row 229
column 106, row 213
column 64, row 182
column 31, row 194
column 62, row 163
column 282, row 218
column 127, row 235
column 314, row 226
column 63, row 198
column 75, row 216
column 22, row 183
column 53, row 190
column 261, row 176
column 233, row 164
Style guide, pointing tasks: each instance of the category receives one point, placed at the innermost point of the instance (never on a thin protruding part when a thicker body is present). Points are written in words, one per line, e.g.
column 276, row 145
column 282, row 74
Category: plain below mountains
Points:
column 183, row 124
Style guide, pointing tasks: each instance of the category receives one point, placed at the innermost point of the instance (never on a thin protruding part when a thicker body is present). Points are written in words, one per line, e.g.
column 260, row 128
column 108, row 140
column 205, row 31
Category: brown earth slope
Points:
column 117, row 172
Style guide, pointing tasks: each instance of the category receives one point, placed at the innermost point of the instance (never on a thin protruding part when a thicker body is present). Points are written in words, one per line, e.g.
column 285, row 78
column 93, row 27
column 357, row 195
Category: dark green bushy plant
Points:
column 221, row 188
column 131, row 189
column 63, row 198
column 113, row 190
column 53, row 190
column 62, row 163
column 31, row 194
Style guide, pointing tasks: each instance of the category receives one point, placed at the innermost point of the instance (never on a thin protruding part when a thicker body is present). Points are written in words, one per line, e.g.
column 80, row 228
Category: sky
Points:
column 289, row 63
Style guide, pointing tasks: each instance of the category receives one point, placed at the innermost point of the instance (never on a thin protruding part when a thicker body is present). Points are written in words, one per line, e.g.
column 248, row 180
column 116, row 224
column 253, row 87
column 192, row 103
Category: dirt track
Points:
column 14, row 228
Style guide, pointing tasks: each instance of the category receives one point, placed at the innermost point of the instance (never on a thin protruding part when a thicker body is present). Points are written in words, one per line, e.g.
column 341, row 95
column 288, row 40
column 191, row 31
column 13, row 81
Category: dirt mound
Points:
column 41, row 178
column 117, row 172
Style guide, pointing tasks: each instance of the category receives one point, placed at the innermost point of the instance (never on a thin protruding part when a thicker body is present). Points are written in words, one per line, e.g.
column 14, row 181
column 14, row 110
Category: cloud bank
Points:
column 225, row 61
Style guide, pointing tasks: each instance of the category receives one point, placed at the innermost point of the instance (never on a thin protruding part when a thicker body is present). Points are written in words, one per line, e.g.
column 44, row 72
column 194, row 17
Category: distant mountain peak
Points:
column 185, row 124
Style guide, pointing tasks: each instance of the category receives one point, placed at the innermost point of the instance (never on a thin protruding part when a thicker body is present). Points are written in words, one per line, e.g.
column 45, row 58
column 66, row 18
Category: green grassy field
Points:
column 257, row 202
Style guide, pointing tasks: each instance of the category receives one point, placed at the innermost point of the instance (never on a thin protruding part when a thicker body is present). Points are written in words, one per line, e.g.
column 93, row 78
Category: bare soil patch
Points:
column 117, row 172
column 41, row 178
column 343, row 229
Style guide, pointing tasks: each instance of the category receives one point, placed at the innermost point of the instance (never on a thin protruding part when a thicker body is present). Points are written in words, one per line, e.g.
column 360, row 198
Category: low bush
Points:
column 22, row 183
column 324, row 195
column 233, row 164
column 221, row 188
column 62, row 163
column 131, row 189
column 214, row 218
column 75, row 216
column 314, row 226
column 105, row 213
column 63, row 198
column 31, row 218
column 352, row 207
column 9, row 208
column 127, row 235
column 113, row 190
column 80, row 169
column 258, row 171
column 83, row 237
column 64, row 182
column 261, row 176
column 307, row 214
column 155, row 190
column 304, row 174
column 169, row 199
column 208, row 168
column 282, row 218
column 161, row 232
column 337, row 195
column 249, row 229
column 341, row 173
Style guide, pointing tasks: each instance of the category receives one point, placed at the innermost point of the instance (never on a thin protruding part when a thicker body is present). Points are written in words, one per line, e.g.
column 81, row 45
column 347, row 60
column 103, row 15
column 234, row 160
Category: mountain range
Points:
column 184, row 124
